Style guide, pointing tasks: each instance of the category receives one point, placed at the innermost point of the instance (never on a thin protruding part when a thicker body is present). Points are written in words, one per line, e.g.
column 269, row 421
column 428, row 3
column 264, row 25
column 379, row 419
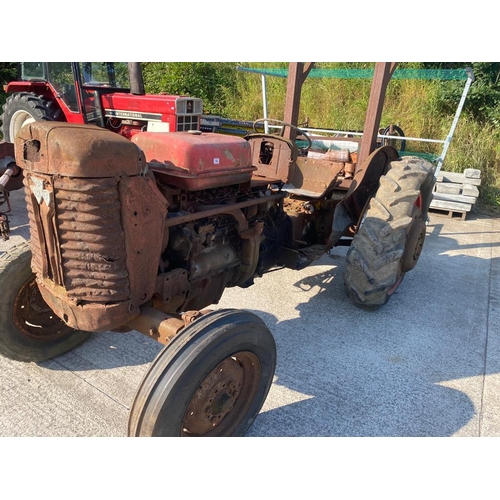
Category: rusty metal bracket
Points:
column 160, row 326
column 297, row 73
column 157, row 325
column 381, row 77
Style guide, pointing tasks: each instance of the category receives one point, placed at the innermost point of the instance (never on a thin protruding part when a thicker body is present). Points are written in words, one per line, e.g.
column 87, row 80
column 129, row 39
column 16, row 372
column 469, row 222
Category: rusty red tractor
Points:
column 146, row 234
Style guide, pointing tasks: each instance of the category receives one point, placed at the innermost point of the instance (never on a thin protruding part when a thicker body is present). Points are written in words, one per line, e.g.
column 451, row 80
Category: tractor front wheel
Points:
column 211, row 380
column 391, row 235
column 29, row 330
column 23, row 108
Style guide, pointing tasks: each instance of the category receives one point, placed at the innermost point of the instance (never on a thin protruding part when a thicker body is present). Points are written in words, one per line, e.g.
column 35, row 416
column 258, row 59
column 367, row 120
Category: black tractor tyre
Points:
column 22, row 108
column 391, row 235
column 29, row 330
column 211, row 380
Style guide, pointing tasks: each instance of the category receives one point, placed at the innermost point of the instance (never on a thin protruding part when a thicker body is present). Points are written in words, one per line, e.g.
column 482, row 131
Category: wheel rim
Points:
column 18, row 120
column 414, row 246
column 415, row 239
column 223, row 397
column 33, row 317
column 394, row 287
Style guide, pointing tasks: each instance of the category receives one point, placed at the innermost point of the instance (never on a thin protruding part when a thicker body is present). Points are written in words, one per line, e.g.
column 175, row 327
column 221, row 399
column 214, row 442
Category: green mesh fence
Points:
column 401, row 74
column 426, row 156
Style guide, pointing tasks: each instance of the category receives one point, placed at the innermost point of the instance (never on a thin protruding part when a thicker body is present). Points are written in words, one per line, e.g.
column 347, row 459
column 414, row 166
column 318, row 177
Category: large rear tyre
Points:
column 23, row 108
column 29, row 330
column 391, row 235
column 211, row 380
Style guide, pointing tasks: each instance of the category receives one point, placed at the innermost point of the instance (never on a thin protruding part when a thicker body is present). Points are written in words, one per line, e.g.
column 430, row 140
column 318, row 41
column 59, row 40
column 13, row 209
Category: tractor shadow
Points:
column 414, row 367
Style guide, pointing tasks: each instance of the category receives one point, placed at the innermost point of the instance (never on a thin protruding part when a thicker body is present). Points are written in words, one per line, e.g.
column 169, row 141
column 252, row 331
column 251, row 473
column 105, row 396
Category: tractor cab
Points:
column 76, row 86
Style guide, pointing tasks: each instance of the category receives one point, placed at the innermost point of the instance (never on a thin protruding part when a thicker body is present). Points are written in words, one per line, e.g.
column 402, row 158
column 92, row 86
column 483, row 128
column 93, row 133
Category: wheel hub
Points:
column 232, row 384
column 18, row 120
column 414, row 242
column 33, row 317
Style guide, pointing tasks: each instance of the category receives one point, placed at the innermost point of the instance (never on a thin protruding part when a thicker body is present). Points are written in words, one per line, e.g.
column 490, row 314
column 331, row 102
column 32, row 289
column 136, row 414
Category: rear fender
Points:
column 364, row 185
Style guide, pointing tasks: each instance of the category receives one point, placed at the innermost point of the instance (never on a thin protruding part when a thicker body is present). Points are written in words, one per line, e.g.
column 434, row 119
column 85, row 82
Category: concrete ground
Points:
column 426, row 364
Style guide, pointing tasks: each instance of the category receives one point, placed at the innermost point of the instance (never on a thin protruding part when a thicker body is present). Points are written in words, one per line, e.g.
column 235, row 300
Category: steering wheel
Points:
column 396, row 131
column 284, row 124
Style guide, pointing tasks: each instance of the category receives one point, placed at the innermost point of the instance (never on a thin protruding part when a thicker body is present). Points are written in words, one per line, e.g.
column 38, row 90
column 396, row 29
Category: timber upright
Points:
column 146, row 233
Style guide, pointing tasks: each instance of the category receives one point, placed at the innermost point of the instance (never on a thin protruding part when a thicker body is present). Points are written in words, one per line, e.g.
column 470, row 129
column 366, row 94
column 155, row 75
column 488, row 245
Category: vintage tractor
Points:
column 145, row 234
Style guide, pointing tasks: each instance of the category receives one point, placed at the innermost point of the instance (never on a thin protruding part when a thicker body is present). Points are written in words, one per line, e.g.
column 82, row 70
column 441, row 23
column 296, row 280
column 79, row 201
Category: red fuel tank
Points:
column 195, row 160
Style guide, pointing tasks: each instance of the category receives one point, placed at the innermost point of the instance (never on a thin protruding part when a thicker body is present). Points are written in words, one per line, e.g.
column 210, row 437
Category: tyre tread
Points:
column 41, row 108
column 376, row 250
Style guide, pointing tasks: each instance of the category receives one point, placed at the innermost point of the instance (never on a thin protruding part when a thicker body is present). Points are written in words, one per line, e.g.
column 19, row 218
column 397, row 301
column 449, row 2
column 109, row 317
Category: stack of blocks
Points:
column 456, row 193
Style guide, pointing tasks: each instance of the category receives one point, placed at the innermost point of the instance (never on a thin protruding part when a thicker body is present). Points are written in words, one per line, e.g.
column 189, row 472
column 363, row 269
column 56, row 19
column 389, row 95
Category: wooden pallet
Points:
column 450, row 213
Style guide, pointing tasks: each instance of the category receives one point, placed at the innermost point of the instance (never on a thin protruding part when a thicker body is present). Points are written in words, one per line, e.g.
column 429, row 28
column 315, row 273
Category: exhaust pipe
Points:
column 136, row 81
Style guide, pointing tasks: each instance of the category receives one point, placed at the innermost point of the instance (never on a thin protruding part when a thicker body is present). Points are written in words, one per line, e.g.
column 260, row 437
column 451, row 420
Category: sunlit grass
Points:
column 341, row 104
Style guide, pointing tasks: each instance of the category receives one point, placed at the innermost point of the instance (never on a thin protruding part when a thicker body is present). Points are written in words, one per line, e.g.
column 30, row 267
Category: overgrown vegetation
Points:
column 422, row 108
column 212, row 82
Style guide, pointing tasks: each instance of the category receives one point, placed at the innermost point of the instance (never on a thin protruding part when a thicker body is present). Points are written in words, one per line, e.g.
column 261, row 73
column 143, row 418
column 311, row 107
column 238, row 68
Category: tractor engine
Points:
column 218, row 224
column 167, row 220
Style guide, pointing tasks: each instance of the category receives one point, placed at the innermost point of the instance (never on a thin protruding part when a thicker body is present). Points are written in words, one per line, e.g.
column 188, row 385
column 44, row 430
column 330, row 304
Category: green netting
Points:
column 426, row 156
column 402, row 74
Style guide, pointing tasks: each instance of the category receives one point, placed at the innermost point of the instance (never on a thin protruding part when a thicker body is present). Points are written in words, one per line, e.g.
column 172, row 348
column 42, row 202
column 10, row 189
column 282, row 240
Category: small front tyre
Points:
column 211, row 380
column 29, row 330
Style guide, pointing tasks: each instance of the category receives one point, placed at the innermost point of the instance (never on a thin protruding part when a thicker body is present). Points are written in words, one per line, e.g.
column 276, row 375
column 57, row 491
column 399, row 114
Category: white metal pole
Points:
column 264, row 102
column 447, row 141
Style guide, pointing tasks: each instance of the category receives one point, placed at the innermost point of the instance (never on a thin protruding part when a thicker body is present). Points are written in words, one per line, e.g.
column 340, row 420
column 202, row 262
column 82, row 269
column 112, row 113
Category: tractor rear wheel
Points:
column 389, row 240
column 211, row 380
column 23, row 108
column 29, row 330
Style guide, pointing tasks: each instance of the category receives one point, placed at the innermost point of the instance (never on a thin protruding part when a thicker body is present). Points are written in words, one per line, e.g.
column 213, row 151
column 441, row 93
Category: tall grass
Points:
column 413, row 105
column 476, row 145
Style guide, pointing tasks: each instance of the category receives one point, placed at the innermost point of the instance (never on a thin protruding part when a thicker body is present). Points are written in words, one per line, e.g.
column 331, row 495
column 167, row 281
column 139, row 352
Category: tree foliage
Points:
column 8, row 72
column 213, row 82
column 483, row 100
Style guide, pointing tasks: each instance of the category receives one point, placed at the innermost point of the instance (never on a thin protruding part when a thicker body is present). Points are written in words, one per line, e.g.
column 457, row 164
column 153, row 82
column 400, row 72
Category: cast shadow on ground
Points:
column 390, row 372
column 357, row 373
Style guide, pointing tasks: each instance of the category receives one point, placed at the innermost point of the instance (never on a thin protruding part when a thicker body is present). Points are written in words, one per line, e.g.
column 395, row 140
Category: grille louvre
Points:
column 91, row 239
column 86, row 227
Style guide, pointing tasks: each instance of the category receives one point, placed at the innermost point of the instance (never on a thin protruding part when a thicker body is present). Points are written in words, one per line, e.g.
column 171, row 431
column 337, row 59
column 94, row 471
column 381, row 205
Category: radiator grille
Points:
column 88, row 232
column 188, row 112
column 187, row 122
